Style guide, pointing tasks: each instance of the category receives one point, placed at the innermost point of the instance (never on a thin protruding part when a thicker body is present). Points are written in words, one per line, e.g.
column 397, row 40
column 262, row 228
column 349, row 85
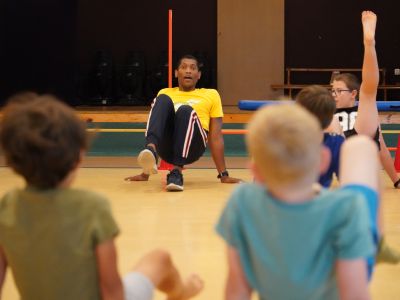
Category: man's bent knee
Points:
column 184, row 110
column 163, row 99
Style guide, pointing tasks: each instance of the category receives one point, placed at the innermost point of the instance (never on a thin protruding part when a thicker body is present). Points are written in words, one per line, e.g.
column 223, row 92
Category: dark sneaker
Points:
column 147, row 159
column 174, row 181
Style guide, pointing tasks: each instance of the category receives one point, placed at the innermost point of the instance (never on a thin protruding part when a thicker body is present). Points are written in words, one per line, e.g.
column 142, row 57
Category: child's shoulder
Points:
column 249, row 190
column 343, row 200
column 69, row 196
column 248, row 195
column 86, row 197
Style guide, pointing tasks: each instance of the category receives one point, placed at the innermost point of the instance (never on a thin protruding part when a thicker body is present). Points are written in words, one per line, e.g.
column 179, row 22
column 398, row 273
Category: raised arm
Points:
column 216, row 143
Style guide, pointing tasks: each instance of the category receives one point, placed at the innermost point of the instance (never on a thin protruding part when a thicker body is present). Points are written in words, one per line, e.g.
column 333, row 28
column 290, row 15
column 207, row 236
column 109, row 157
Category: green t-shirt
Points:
column 49, row 239
column 288, row 251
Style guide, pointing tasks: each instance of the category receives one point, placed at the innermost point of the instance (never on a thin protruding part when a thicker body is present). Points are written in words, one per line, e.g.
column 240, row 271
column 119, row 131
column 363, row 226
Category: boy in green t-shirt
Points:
column 59, row 241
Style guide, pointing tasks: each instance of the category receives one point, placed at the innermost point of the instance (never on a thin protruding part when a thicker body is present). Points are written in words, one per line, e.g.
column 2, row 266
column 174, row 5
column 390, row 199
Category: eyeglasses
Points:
column 337, row 92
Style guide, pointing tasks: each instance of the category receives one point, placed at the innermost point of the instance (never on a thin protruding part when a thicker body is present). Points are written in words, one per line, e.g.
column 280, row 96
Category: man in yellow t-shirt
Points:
column 181, row 122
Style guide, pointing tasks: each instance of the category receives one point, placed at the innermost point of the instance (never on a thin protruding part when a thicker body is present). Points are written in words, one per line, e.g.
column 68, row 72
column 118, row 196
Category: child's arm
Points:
column 3, row 268
column 109, row 279
column 352, row 282
column 237, row 287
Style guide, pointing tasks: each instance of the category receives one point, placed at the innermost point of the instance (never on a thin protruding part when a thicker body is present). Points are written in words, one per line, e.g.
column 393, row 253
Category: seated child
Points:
column 319, row 101
column 285, row 242
column 346, row 89
column 57, row 240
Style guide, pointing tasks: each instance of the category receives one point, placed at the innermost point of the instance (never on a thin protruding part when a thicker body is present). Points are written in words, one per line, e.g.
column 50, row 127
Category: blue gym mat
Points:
column 255, row 104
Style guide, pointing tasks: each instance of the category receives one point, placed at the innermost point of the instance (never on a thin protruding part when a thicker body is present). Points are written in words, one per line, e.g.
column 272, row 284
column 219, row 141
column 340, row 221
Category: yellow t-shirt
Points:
column 205, row 102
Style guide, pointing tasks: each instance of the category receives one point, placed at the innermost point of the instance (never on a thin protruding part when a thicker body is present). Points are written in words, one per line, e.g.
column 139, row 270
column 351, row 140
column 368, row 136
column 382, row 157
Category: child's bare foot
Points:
column 191, row 287
column 140, row 177
column 368, row 19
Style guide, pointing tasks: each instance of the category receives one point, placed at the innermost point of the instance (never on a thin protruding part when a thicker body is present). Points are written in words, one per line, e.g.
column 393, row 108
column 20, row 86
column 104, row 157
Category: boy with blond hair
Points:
column 283, row 240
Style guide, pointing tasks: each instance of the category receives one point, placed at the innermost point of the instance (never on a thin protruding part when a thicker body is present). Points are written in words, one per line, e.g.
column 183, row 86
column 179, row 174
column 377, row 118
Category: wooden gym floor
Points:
column 183, row 223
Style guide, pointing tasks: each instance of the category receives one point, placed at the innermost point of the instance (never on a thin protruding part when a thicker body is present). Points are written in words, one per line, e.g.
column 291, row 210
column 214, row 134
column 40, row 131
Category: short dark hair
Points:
column 350, row 80
column 41, row 138
column 319, row 101
column 187, row 56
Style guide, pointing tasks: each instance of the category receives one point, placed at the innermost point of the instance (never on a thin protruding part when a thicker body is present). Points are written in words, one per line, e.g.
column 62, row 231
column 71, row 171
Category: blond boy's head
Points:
column 285, row 143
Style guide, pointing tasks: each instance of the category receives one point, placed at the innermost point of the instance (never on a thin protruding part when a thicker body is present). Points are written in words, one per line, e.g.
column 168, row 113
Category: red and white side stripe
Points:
column 194, row 119
column 148, row 120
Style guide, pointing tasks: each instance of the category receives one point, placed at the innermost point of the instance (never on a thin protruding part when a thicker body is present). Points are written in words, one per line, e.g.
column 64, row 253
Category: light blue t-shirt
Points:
column 288, row 251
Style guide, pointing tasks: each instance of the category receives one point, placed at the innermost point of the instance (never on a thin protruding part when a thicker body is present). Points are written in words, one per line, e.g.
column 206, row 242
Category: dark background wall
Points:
column 38, row 40
column 123, row 25
column 48, row 45
column 327, row 34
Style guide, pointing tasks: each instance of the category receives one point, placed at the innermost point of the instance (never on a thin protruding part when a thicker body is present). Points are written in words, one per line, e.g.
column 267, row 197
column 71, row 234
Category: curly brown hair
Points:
column 42, row 138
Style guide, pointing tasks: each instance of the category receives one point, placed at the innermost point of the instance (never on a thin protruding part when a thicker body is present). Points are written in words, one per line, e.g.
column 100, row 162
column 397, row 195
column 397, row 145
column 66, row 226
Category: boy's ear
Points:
column 176, row 73
column 354, row 94
column 326, row 158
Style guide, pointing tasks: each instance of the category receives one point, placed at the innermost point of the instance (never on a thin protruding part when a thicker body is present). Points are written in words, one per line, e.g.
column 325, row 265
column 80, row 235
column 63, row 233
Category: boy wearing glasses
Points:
column 345, row 90
column 353, row 120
